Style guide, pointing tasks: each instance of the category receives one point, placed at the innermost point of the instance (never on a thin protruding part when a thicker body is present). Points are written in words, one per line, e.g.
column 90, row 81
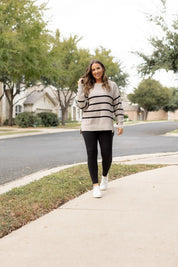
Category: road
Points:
column 25, row 155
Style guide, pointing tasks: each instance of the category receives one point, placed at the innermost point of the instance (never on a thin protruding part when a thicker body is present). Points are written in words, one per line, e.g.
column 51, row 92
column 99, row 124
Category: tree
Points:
column 173, row 102
column 23, row 46
column 165, row 46
column 66, row 64
column 113, row 67
column 150, row 95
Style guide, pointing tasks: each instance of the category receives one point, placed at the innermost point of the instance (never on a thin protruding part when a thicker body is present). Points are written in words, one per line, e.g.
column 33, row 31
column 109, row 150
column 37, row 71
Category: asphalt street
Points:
column 25, row 155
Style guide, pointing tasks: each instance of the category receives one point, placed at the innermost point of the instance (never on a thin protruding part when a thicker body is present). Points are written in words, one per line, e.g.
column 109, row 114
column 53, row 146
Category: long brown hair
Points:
column 89, row 80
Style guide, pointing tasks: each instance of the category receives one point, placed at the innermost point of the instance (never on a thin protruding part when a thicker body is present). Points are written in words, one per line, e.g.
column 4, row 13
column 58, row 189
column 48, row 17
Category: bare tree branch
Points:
column 1, row 96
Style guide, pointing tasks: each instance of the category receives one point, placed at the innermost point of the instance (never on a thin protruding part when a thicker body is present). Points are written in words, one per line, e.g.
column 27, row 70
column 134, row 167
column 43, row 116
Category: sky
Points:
column 119, row 25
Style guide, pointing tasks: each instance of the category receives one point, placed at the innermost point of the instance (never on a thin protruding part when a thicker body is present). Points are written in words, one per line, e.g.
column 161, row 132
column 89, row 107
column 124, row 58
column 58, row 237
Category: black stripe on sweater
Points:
column 86, row 105
column 119, row 115
column 100, row 103
column 118, row 109
column 95, row 117
column 116, row 98
column 104, row 109
column 81, row 101
column 117, row 104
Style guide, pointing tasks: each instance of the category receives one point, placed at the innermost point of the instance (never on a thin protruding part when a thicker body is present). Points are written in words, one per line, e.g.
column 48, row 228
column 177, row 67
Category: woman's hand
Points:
column 120, row 130
column 80, row 81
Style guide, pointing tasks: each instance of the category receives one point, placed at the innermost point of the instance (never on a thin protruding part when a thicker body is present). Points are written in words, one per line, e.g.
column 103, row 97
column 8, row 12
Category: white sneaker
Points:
column 104, row 183
column 96, row 191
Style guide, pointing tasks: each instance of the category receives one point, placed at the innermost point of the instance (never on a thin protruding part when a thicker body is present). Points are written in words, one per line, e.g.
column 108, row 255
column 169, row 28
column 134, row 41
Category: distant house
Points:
column 38, row 99
column 173, row 115
column 133, row 111
column 76, row 112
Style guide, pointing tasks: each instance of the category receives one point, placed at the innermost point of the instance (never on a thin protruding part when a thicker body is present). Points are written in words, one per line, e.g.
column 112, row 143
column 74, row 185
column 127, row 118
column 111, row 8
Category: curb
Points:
column 37, row 133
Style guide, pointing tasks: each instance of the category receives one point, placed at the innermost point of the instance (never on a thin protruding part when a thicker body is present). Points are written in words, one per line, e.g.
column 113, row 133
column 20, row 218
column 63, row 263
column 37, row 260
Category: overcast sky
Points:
column 119, row 25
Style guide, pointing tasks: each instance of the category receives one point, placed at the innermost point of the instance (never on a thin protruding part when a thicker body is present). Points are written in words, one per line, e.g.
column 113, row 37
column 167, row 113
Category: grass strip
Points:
column 176, row 131
column 5, row 130
column 70, row 126
column 27, row 203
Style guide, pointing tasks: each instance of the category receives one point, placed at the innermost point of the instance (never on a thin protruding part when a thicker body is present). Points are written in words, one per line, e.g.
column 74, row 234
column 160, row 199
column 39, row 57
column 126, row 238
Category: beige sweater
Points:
column 100, row 107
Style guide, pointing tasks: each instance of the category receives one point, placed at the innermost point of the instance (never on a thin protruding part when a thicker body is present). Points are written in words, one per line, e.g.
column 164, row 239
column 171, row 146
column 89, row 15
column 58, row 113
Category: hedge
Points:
column 48, row 119
column 29, row 119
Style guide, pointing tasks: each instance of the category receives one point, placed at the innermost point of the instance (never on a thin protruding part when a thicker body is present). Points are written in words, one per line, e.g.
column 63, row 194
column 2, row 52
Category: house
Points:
column 135, row 113
column 173, row 115
column 76, row 112
column 38, row 99
column 34, row 99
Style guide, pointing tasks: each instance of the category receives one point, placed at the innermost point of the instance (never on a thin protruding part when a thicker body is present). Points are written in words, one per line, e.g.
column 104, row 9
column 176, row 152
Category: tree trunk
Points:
column 64, row 114
column 10, row 97
column 1, row 96
column 10, row 122
column 145, row 114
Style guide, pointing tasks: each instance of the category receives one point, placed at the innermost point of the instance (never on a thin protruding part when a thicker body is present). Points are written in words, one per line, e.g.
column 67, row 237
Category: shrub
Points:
column 6, row 122
column 48, row 119
column 27, row 119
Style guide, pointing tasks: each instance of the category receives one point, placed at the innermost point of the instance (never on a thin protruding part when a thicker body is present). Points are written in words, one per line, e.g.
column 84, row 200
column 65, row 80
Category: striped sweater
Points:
column 100, row 107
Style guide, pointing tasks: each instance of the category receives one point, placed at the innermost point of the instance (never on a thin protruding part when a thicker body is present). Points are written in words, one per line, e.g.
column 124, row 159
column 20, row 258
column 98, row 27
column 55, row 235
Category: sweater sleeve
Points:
column 82, row 100
column 117, row 105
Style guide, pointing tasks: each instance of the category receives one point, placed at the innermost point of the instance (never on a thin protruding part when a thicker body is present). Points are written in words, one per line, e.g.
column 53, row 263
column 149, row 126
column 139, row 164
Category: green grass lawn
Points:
column 5, row 130
column 27, row 203
column 176, row 131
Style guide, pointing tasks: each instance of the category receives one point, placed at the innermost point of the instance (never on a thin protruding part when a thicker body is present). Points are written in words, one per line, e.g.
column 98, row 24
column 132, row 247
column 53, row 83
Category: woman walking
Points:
column 99, row 98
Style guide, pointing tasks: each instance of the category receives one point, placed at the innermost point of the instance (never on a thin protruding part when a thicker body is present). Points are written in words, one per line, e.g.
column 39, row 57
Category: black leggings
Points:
column 105, row 141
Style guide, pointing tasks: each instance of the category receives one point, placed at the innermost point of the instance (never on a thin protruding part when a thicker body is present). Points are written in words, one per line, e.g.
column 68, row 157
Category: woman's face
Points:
column 97, row 72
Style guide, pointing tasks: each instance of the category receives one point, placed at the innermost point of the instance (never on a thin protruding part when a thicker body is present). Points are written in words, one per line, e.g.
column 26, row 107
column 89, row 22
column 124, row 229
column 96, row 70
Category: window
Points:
column 18, row 110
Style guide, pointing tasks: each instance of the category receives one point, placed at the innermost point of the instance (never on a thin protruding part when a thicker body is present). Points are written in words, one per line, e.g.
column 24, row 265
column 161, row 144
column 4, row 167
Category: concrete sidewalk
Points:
column 135, row 224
